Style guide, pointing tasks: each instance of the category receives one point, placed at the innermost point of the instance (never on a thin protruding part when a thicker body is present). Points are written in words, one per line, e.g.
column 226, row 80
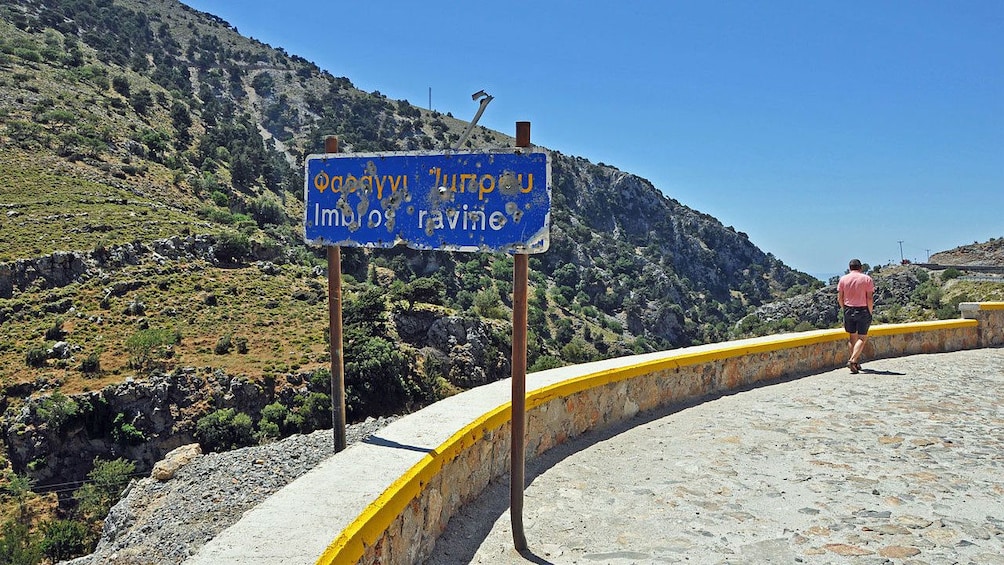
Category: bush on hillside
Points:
column 232, row 248
column 145, row 347
column 950, row 273
column 377, row 379
column 106, row 481
column 224, row 429
column 36, row 357
column 64, row 539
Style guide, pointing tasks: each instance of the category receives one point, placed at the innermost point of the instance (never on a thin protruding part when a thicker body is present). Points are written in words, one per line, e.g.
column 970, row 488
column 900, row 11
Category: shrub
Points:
column 91, row 365
column 107, row 480
column 273, row 420
column 232, row 247
column 365, row 308
column 121, row 85
column 223, row 345
column 560, row 300
column 267, row 210
column 316, row 412
column 464, row 300
column 17, row 545
column 56, row 409
column 145, row 346
column 545, row 362
column 293, row 422
column 320, row 381
column 487, row 304
column 927, row 294
column 55, row 333
column 218, row 197
column 376, row 378
column 428, row 290
column 268, row 430
column 951, row 273
column 36, row 356
column 224, row 429
column 63, row 539
column 126, row 433
column 577, row 351
column 17, row 488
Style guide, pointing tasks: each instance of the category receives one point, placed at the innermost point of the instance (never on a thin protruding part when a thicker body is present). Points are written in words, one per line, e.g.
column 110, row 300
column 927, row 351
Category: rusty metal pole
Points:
column 517, row 481
column 335, row 330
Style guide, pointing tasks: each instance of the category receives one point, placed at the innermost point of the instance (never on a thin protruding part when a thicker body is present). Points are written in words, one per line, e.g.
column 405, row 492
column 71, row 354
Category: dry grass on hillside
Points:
column 199, row 303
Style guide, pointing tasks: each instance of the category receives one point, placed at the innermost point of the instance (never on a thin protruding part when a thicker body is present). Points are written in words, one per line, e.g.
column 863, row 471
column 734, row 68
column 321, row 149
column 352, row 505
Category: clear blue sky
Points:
column 824, row 130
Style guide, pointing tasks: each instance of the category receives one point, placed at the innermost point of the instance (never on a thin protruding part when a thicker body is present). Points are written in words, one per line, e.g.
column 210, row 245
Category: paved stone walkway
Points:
column 902, row 463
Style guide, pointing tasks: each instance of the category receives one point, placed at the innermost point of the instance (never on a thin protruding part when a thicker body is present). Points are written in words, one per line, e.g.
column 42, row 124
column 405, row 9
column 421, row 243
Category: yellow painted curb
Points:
column 916, row 327
column 368, row 527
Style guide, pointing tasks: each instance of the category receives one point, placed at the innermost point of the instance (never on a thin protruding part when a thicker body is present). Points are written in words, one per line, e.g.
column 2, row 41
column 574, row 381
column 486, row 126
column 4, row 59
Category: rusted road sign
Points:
column 497, row 201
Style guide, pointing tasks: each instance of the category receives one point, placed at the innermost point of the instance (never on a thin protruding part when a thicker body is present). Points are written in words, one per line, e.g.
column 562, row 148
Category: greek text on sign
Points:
column 455, row 201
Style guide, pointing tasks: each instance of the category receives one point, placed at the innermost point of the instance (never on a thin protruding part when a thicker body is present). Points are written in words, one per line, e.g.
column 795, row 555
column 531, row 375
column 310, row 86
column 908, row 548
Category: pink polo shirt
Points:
column 856, row 286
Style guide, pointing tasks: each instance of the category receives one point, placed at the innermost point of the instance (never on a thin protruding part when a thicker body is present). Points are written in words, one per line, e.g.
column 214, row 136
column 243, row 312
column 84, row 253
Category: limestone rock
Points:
column 165, row 469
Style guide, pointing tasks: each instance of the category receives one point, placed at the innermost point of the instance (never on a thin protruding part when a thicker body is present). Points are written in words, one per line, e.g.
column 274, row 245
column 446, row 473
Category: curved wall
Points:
column 402, row 524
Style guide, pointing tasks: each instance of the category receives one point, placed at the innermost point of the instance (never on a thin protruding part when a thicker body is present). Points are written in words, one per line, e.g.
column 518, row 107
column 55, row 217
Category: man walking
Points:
column 855, row 294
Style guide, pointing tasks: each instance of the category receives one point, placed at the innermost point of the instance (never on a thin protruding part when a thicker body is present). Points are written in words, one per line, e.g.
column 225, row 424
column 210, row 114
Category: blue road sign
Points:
column 454, row 201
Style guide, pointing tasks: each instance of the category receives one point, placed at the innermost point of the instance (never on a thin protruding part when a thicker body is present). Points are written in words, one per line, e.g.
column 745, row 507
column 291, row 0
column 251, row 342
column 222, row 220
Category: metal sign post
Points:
column 517, row 481
column 335, row 330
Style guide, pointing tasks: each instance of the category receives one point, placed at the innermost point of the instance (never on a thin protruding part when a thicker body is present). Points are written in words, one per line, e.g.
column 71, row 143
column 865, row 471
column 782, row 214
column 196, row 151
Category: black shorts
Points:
column 857, row 319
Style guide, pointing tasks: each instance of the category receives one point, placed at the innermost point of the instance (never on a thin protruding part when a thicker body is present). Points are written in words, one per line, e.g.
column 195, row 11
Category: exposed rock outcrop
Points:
column 55, row 438
column 64, row 267
column 165, row 469
column 893, row 287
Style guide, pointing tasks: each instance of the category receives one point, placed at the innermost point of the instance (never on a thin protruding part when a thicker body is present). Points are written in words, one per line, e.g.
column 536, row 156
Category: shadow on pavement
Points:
column 471, row 525
column 534, row 558
column 874, row 372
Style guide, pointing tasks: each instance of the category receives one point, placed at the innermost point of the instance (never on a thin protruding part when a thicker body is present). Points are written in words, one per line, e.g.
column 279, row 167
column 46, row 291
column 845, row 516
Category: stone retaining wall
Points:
column 990, row 316
column 402, row 524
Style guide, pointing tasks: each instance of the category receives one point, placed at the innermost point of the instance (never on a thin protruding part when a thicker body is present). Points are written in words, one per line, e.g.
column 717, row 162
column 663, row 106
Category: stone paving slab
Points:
column 901, row 463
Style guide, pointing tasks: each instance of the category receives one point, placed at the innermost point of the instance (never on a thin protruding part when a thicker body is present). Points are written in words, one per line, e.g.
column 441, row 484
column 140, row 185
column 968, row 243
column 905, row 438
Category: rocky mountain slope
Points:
column 162, row 153
column 987, row 253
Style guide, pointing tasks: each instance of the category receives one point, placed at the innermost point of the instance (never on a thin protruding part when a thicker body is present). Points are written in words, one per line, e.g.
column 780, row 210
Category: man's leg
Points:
column 852, row 342
column 858, row 347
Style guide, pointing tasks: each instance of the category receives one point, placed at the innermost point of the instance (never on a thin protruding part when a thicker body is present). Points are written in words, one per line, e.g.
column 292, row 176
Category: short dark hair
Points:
column 855, row 264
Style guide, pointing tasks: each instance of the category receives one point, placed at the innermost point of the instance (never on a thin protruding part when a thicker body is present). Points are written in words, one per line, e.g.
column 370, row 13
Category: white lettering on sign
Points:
column 465, row 219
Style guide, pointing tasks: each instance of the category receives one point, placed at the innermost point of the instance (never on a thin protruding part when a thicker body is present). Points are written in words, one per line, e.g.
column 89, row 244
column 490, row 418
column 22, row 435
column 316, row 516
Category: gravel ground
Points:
column 164, row 522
